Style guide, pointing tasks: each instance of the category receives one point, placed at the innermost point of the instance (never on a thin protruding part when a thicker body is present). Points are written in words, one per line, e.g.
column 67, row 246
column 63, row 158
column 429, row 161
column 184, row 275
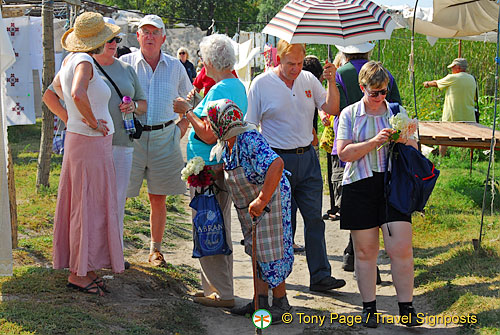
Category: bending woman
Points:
column 255, row 178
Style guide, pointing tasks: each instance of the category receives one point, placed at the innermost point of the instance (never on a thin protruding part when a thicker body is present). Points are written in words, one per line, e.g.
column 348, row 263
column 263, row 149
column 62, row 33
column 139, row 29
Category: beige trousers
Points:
column 217, row 271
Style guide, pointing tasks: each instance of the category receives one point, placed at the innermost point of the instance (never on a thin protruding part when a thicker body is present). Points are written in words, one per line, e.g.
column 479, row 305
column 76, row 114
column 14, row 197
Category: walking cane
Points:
column 255, row 222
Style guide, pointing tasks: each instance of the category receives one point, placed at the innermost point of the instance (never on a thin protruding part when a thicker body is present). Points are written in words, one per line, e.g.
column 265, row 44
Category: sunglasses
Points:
column 116, row 39
column 182, row 53
column 375, row 94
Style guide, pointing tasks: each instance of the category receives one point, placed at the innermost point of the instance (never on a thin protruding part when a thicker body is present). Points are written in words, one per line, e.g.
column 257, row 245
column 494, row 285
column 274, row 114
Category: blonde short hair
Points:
column 284, row 48
column 373, row 74
column 182, row 49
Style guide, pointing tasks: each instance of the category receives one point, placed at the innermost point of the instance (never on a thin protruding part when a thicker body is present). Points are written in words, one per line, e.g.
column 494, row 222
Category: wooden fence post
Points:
column 43, row 170
column 12, row 199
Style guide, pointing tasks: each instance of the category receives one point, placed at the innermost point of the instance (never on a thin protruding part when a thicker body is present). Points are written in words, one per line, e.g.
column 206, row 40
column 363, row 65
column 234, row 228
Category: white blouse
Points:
column 98, row 93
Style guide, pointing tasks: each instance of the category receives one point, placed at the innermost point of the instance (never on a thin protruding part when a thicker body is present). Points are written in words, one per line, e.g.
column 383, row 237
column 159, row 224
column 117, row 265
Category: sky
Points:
column 421, row 3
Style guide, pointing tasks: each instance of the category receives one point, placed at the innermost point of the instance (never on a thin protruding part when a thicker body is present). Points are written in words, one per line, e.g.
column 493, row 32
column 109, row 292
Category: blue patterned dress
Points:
column 255, row 157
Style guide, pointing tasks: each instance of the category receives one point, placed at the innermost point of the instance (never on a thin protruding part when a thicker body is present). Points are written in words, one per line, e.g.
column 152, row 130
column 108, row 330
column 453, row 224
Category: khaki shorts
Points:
column 158, row 159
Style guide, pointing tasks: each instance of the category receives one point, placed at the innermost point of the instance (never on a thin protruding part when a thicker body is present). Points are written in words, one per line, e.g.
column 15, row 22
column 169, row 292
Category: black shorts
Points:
column 363, row 205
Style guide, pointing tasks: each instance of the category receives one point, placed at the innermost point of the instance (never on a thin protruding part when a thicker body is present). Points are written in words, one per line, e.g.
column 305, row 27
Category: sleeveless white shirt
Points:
column 98, row 93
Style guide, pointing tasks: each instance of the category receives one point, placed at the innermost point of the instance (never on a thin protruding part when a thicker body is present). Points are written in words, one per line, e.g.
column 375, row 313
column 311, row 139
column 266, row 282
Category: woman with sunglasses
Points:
column 363, row 128
column 125, row 78
column 183, row 56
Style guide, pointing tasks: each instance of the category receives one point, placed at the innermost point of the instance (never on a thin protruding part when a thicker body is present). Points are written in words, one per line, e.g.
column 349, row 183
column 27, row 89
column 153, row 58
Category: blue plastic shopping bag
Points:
column 209, row 230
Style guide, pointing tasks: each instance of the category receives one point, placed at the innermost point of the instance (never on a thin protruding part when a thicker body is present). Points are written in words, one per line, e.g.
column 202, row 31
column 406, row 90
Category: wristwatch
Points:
column 136, row 105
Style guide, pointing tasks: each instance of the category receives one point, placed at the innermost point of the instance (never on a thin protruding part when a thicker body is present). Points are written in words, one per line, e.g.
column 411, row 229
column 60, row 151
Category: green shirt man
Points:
column 460, row 92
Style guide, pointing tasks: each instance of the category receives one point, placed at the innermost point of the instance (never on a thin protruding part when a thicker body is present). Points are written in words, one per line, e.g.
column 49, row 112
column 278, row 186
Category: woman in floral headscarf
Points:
column 259, row 189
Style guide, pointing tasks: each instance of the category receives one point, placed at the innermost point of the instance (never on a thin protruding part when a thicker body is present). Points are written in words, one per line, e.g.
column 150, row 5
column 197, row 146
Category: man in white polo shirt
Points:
column 282, row 102
column 157, row 154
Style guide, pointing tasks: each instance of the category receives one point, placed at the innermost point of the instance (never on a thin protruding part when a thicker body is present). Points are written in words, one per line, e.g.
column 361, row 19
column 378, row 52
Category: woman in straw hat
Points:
column 86, row 230
column 256, row 181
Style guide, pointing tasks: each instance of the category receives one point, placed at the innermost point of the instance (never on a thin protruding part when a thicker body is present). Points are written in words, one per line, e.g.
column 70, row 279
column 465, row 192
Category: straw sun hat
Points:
column 90, row 32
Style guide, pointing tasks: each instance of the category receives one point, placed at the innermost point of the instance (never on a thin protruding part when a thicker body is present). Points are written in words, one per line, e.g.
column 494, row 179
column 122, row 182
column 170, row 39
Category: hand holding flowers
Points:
column 197, row 174
column 404, row 128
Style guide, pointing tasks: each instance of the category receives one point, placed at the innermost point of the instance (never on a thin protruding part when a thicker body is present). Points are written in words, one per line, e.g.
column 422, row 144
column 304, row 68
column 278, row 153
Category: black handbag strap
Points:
column 109, row 78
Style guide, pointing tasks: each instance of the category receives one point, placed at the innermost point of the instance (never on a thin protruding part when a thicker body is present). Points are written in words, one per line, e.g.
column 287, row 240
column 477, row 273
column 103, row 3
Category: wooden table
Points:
column 457, row 134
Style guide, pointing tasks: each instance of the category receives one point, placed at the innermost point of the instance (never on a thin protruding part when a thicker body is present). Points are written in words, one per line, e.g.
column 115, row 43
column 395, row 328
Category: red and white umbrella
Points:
column 340, row 22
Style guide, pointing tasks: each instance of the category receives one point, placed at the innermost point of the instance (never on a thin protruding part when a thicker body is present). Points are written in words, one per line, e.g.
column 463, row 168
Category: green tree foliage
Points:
column 267, row 10
column 197, row 12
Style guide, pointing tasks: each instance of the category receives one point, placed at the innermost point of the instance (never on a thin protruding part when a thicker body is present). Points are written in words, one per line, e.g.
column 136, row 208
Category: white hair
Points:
column 218, row 50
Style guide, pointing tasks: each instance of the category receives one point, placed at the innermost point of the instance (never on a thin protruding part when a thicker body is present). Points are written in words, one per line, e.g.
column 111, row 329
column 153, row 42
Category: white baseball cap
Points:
column 356, row 48
column 153, row 20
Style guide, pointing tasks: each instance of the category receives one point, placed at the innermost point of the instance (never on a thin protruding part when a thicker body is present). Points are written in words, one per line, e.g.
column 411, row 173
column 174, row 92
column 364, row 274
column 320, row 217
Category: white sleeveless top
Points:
column 98, row 93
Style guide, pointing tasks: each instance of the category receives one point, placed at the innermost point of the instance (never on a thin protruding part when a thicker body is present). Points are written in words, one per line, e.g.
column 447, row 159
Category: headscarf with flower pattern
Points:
column 226, row 119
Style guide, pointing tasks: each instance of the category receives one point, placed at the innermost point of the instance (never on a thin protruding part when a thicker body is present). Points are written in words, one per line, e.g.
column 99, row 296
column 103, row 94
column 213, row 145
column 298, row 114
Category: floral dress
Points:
column 255, row 157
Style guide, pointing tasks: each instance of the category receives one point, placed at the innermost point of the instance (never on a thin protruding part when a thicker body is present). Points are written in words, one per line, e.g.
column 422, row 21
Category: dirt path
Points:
column 345, row 302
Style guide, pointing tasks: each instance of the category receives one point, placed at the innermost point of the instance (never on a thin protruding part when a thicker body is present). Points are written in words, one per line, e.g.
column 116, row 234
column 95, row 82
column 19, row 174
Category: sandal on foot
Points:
column 87, row 289
column 101, row 284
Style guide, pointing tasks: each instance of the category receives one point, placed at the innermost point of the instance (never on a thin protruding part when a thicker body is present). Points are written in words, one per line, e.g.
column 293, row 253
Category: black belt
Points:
column 158, row 126
column 298, row 151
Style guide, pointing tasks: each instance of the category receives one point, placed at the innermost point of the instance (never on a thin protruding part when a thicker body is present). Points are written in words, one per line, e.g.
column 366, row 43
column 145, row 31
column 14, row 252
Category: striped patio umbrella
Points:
column 340, row 22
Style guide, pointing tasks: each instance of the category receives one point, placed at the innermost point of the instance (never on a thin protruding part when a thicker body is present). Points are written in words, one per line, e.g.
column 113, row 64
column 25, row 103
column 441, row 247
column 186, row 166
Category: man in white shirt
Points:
column 157, row 154
column 282, row 102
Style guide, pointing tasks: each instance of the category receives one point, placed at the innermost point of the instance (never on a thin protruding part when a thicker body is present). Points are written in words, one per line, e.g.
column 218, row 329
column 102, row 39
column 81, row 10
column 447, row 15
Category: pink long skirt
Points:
column 86, row 228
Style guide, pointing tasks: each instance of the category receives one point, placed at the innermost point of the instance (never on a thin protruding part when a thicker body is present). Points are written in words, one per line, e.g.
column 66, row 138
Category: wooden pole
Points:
column 43, row 171
column 239, row 30
column 12, row 198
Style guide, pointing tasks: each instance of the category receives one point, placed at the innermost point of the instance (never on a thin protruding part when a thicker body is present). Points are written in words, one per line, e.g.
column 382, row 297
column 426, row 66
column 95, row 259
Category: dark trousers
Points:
column 307, row 192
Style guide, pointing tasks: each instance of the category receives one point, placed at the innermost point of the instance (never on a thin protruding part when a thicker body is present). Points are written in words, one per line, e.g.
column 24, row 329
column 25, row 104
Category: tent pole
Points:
column 493, row 141
column 411, row 67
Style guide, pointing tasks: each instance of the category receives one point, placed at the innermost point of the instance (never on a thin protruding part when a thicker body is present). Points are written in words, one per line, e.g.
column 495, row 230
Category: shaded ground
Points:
column 344, row 302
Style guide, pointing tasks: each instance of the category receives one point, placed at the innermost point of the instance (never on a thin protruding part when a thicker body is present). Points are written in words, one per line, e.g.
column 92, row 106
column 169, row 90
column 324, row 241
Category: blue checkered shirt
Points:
column 168, row 81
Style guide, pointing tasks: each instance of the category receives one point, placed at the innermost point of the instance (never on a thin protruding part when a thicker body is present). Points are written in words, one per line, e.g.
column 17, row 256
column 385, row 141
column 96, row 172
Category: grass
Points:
column 449, row 273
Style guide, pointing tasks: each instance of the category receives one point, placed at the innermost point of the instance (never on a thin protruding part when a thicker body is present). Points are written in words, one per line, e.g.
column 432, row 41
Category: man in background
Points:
column 460, row 94
column 281, row 101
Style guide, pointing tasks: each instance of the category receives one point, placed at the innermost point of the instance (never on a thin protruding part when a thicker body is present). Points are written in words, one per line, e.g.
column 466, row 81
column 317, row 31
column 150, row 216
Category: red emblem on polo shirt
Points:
column 308, row 93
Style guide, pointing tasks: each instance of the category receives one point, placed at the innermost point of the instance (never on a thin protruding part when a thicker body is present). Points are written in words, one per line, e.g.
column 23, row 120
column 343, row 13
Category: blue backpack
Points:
column 412, row 178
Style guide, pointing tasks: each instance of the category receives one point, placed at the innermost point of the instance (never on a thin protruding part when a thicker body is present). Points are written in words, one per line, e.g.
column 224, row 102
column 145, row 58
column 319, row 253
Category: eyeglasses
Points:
column 155, row 33
column 375, row 94
column 182, row 53
column 116, row 39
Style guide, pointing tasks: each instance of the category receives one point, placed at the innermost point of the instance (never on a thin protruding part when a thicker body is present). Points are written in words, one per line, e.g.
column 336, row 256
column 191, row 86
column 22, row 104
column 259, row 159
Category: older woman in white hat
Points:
column 86, row 230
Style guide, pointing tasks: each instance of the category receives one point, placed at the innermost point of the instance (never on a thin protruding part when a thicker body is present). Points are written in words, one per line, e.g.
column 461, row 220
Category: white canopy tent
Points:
column 7, row 58
column 426, row 24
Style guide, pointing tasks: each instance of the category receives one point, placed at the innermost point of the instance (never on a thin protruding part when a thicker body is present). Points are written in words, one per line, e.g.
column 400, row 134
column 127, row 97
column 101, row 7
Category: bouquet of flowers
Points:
column 404, row 126
column 197, row 174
